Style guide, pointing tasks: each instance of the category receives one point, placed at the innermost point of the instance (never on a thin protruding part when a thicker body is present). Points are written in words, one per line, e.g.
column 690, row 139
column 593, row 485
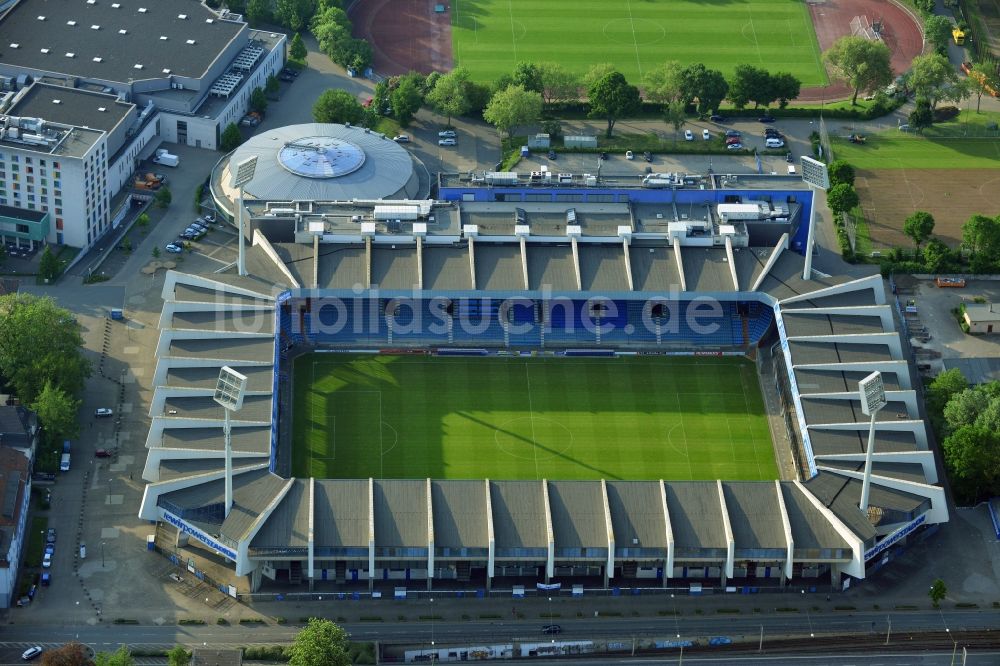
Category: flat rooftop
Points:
column 71, row 106
column 192, row 43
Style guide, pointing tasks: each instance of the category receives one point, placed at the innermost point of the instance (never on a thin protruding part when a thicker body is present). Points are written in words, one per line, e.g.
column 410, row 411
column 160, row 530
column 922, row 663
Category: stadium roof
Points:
column 93, row 30
column 74, row 107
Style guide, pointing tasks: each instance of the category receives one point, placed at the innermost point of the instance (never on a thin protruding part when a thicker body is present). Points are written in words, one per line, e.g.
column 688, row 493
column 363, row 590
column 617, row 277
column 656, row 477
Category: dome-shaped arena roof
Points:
column 327, row 162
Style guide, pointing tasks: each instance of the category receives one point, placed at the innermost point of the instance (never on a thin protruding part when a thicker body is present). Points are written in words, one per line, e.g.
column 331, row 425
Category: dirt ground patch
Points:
column 901, row 33
column 406, row 35
column 950, row 195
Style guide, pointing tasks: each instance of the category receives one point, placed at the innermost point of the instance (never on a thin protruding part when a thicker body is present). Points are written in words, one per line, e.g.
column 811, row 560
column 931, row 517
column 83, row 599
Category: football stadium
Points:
column 634, row 383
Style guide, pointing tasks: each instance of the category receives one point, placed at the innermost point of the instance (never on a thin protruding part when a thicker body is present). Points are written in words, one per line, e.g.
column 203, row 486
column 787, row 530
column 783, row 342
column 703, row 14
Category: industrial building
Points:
column 88, row 88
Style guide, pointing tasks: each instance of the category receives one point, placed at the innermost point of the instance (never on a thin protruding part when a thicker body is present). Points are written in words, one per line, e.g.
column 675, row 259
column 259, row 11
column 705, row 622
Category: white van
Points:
column 64, row 463
column 774, row 142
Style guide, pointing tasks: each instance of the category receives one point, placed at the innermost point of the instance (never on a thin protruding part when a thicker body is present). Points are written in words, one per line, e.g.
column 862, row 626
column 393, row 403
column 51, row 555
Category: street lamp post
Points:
column 229, row 392
column 102, row 554
column 872, row 393
column 242, row 175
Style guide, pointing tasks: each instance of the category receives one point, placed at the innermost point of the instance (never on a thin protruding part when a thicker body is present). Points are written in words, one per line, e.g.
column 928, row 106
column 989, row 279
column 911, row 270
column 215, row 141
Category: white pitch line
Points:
column 635, row 41
column 531, row 420
column 513, row 35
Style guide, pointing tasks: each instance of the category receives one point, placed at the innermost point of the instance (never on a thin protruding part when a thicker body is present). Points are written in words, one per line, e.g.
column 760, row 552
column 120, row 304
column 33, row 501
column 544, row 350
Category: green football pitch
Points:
column 644, row 417
column 489, row 37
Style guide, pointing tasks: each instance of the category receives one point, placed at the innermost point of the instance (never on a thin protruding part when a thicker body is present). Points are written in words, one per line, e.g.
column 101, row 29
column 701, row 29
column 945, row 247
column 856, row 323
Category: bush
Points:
column 265, row 653
column 945, row 113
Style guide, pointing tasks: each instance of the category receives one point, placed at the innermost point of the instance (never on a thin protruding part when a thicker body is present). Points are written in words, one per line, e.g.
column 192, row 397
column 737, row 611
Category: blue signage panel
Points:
column 198, row 534
column 894, row 537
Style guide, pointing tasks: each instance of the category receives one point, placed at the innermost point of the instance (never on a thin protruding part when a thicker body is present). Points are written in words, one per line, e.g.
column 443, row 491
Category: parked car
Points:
column 447, row 142
column 629, row 155
column 102, row 453
column 83, row 550
column 447, row 134
column 31, row 653
column 648, row 156
column 706, row 135
column 766, row 119
column 771, row 131
column 103, row 412
column 735, row 146
column 209, row 217
column 789, row 158
column 733, row 139
column 46, row 579
column 688, row 135
column 173, row 249
column 50, row 535
column 551, row 629
column 552, row 154
column 198, row 226
column 732, row 133
column 290, row 72
column 47, row 560
column 50, row 548
column 401, row 138
column 603, row 155
column 716, row 118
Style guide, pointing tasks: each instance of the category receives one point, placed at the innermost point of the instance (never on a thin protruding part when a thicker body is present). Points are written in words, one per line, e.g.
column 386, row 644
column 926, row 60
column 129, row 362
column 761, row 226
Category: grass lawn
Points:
column 901, row 150
column 558, row 418
column 489, row 37
column 36, row 541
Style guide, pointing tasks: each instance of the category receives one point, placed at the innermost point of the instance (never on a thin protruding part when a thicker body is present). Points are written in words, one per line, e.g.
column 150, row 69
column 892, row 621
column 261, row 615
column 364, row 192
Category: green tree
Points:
column 512, row 107
column 162, row 198
column 156, row 252
column 272, row 86
column 981, row 235
column 49, row 267
column 57, row 412
column 965, row 407
column 450, row 97
column 120, row 657
column 841, row 171
column 297, row 49
column 611, row 98
column 937, row 31
column 708, row 86
column 983, row 79
column 320, row 643
column 258, row 100
column 749, row 84
column 142, row 220
column 337, row 106
column 407, row 99
column 943, row 387
column 972, row 458
column 936, row 256
column 528, row 76
column 931, row 77
column 294, row 14
column 663, row 84
column 675, row 115
column 861, row 63
column 178, row 656
column 937, row 592
column 785, row 88
column 258, row 11
column 841, row 198
column 918, row 225
column 921, row 117
column 231, row 138
column 596, row 73
column 558, row 83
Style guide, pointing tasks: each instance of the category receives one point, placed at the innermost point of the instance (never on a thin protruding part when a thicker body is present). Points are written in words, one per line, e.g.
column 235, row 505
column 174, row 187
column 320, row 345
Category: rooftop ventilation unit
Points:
column 98, row 59
column 91, row 2
column 41, row 18
column 95, row 27
column 115, row 5
column 142, row 10
column 137, row 66
column 102, row 109
column 15, row 45
column 44, row 50
column 57, row 101
column 163, row 38
column 70, row 22
column 123, row 31
column 208, row 20
column 166, row 71
column 190, row 41
column 182, row 17
column 70, row 54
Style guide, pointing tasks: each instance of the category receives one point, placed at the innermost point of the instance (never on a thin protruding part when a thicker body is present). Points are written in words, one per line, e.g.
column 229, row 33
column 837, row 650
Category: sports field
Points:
column 893, row 149
column 490, row 36
column 358, row 416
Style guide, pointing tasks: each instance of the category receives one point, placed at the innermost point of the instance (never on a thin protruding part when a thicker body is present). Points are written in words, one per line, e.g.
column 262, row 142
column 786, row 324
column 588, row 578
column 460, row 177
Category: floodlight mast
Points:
column 872, row 393
column 229, row 392
column 242, row 175
column 816, row 175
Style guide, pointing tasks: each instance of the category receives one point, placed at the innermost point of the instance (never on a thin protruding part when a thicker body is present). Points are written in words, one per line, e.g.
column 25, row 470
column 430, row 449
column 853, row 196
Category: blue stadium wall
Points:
column 571, row 195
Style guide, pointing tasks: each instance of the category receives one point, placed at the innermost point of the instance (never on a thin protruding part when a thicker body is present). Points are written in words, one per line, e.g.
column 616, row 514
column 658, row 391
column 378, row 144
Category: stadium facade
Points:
column 527, row 264
column 89, row 89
